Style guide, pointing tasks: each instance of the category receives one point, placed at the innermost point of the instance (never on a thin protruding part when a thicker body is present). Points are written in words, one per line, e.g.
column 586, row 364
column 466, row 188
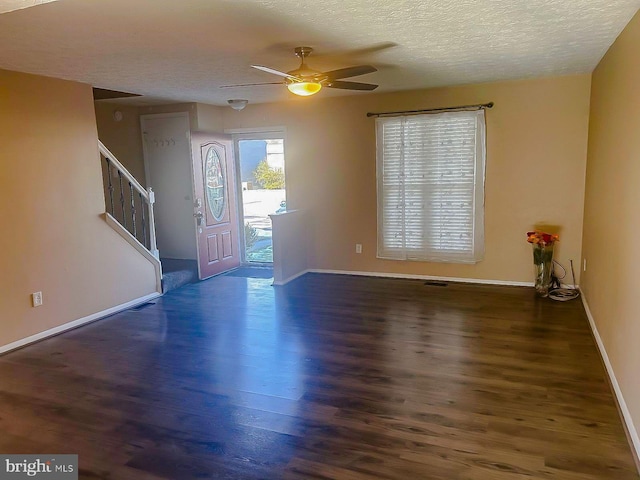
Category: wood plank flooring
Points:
column 329, row 377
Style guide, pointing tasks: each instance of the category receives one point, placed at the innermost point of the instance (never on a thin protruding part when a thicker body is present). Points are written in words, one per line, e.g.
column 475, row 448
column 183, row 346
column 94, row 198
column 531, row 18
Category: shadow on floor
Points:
column 251, row 272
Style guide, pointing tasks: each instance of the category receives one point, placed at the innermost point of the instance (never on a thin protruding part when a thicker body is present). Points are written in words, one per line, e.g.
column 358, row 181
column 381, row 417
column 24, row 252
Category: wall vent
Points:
column 435, row 283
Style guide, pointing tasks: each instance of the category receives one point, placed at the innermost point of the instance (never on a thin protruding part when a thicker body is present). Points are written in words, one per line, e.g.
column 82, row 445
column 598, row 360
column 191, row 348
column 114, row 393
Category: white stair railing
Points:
column 128, row 202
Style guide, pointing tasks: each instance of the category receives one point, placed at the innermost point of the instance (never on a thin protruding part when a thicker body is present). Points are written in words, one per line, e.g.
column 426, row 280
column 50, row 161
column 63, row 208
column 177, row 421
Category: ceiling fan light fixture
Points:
column 304, row 89
column 237, row 103
column 305, row 81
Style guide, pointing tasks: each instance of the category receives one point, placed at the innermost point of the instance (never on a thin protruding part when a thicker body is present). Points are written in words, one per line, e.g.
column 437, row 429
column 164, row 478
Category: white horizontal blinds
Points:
column 390, row 150
column 430, row 187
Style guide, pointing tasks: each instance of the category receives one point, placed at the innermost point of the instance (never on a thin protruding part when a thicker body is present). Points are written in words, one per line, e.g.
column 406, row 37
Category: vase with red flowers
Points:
column 542, row 259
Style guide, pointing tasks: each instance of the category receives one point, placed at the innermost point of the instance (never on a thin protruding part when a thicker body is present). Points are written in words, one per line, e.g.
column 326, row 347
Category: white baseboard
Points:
column 290, row 279
column 77, row 323
column 482, row 281
column 624, row 410
column 424, row 277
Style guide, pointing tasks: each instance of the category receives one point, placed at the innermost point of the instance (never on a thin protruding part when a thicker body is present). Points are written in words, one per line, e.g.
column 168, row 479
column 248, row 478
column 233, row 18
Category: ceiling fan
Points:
column 305, row 81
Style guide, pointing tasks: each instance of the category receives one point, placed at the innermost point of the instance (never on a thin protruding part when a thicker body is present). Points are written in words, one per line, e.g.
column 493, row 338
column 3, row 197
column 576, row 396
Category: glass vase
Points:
column 543, row 263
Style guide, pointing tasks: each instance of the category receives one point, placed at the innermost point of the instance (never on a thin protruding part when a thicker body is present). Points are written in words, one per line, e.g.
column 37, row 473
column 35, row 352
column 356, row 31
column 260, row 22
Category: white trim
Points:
column 135, row 243
column 624, row 410
column 130, row 178
column 148, row 195
column 77, row 323
column 290, row 279
column 482, row 281
column 239, row 199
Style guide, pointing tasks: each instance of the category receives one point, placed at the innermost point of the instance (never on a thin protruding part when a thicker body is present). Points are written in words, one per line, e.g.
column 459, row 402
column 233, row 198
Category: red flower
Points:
column 542, row 238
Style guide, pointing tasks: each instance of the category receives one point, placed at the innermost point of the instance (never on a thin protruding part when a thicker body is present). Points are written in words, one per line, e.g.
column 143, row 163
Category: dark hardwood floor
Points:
column 329, row 377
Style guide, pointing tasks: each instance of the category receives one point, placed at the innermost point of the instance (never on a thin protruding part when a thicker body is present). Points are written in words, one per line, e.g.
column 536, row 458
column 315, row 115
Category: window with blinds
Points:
column 430, row 172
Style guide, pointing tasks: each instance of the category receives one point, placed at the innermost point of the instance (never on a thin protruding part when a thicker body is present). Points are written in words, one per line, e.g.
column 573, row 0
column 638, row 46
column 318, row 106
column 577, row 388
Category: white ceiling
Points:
column 184, row 50
column 10, row 5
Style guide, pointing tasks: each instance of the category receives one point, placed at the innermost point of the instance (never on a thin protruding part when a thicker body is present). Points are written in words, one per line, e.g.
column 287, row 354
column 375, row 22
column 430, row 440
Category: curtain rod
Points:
column 432, row 110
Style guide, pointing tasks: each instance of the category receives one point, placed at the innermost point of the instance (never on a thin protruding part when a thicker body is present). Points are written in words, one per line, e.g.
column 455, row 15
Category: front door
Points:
column 215, row 203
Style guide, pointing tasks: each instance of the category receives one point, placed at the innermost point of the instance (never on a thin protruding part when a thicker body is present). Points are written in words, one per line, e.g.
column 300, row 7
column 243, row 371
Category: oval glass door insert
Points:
column 214, row 183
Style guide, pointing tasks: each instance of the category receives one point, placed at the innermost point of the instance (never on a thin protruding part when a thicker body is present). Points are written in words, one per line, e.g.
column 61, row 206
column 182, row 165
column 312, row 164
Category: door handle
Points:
column 198, row 216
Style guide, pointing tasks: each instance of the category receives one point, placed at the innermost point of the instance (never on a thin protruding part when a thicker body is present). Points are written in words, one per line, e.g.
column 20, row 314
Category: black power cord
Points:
column 562, row 294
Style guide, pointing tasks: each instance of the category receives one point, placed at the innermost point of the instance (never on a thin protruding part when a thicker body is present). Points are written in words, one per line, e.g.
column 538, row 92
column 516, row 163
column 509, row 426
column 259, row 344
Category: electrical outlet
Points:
column 36, row 299
column 358, row 248
column 584, row 264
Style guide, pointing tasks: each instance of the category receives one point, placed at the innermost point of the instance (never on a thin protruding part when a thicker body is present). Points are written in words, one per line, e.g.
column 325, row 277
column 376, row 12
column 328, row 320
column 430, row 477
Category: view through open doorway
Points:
column 263, row 192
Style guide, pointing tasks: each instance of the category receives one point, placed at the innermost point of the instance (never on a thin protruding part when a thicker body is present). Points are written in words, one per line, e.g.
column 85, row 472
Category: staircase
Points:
column 177, row 273
column 129, row 209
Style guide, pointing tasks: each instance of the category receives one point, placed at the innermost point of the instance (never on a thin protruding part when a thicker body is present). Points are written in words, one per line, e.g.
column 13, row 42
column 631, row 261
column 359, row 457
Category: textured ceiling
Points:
column 184, row 50
column 10, row 5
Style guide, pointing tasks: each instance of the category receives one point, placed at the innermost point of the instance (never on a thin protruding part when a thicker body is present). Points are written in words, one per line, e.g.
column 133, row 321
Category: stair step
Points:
column 177, row 273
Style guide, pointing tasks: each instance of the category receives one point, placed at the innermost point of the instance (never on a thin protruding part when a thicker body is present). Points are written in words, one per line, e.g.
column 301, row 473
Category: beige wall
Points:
column 210, row 118
column 53, row 238
column 536, row 154
column 123, row 137
column 290, row 256
column 612, row 219
column 190, row 108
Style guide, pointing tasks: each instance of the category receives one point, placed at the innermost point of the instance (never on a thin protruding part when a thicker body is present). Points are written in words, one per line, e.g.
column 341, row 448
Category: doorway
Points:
column 193, row 177
column 215, row 203
column 262, row 188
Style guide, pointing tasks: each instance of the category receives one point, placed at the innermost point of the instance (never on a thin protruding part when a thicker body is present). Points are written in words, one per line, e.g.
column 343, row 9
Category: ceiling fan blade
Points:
column 275, row 72
column 250, row 84
column 350, row 71
column 351, row 85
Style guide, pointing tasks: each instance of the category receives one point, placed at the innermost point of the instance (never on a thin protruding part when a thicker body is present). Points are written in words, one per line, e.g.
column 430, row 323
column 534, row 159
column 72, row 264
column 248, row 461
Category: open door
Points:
column 215, row 203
